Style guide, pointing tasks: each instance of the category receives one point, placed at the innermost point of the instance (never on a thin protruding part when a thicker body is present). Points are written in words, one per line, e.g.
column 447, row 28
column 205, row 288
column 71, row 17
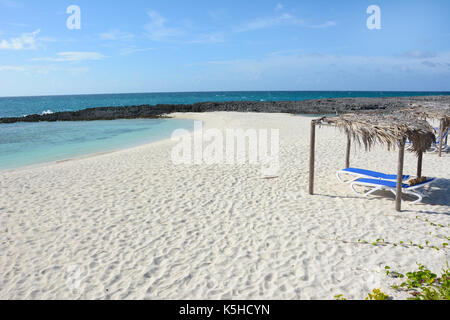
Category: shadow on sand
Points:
column 438, row 195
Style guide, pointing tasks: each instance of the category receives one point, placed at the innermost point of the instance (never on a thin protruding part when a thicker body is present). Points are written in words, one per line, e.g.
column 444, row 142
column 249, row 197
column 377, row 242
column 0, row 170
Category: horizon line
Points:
column 223, row 91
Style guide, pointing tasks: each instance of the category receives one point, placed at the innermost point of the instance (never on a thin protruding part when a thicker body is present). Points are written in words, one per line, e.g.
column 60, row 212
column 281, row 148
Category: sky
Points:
column 200, row 45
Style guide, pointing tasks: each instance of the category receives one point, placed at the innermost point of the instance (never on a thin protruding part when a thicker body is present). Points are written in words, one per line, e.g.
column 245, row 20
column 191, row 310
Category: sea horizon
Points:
column 26, row 105
column 213, row 91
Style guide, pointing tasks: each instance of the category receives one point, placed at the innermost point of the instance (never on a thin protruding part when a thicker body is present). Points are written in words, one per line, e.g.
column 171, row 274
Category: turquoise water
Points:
column 20, row 106
column 23, row 144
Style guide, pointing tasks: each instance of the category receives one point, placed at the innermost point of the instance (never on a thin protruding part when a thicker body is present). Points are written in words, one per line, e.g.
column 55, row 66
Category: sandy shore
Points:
column 132, row 225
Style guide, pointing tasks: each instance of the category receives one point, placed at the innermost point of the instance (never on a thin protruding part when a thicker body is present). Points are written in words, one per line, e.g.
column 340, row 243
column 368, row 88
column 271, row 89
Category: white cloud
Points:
column 132, row 50
column 262, row 23
column 10, row 4
column 157, row 29
column 279, row 7
column 116, row 35
column 417, row 54
column 284, row 19
column 402, row 68
column 429, row 64
column 27, row 41
column 48, row 39
column 323, row 25
column 218, row 14
column 72, row 57
column 294, row 63
column 18, row 25
column 39, row 70
column 216, row 37
column 11, row 68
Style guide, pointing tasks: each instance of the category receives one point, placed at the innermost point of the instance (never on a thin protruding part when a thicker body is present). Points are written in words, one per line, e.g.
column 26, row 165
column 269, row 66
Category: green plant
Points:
column 377, row 294
column 339, row 297
column 393, row 274
column 426, row 285
column 421, row 284
column 432, row 223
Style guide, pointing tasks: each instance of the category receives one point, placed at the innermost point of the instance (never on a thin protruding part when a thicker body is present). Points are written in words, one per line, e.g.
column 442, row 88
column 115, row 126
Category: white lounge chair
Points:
column 435, row 146
column 362, row 173
column 377, row 184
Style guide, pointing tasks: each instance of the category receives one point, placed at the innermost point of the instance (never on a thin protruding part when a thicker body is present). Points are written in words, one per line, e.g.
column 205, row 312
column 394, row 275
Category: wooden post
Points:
column 347, row 153
column 311, row 157
column 419, row 165
column 441, row 137
column 401, row 157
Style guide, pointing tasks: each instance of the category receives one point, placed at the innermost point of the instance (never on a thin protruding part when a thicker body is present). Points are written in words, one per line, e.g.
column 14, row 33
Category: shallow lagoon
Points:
column 23, row 144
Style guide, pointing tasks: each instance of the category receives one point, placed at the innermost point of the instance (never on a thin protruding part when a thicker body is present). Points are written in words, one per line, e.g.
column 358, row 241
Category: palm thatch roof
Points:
column 387, row 128
column 432, row 111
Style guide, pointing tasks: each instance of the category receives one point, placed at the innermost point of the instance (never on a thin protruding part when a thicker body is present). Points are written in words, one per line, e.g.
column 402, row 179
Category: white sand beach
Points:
column 132, row 225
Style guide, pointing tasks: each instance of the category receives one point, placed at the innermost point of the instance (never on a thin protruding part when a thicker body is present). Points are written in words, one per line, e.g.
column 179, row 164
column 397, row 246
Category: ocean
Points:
column 23, row 144
column 20, row 106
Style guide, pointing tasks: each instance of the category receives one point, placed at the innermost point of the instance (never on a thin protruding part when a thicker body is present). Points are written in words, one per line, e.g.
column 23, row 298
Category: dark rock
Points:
column 329, row 106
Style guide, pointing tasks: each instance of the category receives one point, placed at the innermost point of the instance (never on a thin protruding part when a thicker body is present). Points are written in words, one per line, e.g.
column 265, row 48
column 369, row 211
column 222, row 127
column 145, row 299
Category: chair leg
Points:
column 414, row 192
column 338, row 175
column 372, row 191
column 417, row 194
column 425, row 193
column 352, row 186
column 354, row 179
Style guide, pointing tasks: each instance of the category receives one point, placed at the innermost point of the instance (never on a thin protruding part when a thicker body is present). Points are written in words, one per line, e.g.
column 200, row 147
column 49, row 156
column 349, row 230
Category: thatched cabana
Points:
column 391, row 129
column 439, row 112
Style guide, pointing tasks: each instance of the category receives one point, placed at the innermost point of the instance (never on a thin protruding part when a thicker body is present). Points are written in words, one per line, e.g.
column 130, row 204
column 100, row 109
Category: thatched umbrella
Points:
column 434, row 111
column 391, row 129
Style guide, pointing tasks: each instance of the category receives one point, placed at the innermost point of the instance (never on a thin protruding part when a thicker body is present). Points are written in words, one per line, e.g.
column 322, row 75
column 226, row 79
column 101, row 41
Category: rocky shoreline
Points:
column 338, row 105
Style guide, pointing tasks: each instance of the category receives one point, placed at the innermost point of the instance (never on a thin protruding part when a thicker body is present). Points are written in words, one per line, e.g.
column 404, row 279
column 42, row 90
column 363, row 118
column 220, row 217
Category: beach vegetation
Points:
column 421, row 284
column 424, row 284
column 410, row 244
column 377, row 294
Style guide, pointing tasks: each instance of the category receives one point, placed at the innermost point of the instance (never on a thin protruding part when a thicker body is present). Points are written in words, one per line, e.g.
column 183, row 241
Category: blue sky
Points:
column 160, row 46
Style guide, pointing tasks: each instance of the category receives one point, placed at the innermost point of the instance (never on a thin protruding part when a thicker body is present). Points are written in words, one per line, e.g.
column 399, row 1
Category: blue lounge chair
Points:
column 377, row 184
column 361, row 173
column 435, row 146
